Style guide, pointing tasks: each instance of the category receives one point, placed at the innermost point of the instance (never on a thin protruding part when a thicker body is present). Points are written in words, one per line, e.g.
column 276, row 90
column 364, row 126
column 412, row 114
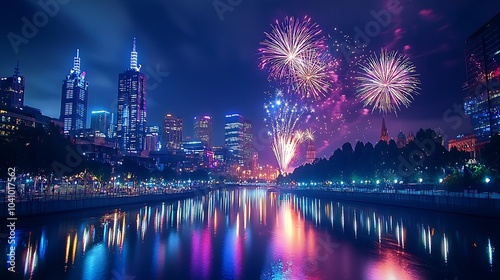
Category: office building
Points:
column 12, row 119
column 100, row 121
column 203, row 129
column 238, row 139
column 482, row 60
column 131, row 117
column 74, row 98
column 172, row 132
column 12, row 90
column 152, row 140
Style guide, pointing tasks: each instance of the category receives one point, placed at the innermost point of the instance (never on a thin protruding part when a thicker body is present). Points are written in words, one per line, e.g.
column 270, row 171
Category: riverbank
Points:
column 485, row 207
column 44, row 205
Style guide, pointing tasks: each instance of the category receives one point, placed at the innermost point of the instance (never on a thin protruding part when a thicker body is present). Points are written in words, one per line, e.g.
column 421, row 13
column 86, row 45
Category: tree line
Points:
column 423, row 160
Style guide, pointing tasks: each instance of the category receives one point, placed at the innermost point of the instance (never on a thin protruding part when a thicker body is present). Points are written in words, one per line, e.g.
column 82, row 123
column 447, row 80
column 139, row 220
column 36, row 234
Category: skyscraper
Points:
column 131, row 118
column 12, row 90
column 203, row 129
column 482, row 60
column 172, row 132
column 238, row 139
column 101, row 121
column 74, row 98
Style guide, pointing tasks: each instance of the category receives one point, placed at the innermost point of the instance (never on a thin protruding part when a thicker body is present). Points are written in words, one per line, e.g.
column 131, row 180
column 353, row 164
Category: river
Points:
column 249, row 233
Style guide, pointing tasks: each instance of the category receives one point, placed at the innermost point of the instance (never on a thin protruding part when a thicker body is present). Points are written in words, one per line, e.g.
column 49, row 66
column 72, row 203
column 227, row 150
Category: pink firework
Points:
column 287, row 43
column 387, row 82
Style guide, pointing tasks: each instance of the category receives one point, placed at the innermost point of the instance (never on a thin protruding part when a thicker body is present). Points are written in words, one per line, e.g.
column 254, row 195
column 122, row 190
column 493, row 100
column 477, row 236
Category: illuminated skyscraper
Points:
column 482, row 60
column 131, row 118
column 238, row 139
column 74, row 98
column 172, row 132
column 12, row 90
column 203, row 130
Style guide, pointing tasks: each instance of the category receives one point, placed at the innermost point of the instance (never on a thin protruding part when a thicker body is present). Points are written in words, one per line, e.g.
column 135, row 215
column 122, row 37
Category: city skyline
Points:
column 179, row 80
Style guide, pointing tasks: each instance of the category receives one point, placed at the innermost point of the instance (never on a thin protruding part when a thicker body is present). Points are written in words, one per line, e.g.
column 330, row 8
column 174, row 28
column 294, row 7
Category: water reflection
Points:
column 250, row 233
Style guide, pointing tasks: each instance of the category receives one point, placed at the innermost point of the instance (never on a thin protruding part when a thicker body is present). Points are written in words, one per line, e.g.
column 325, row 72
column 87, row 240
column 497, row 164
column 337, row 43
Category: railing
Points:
column 483, row 204
column 44, row 203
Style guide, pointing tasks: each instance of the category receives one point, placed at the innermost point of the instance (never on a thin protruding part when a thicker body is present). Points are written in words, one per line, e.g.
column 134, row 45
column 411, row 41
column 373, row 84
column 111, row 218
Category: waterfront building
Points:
column 100, row 121
column 131, row 118
column 482, row 60
column 12, row 90
column 74, row 98
column 203, row 129
column 238, row 139
column 172, row 132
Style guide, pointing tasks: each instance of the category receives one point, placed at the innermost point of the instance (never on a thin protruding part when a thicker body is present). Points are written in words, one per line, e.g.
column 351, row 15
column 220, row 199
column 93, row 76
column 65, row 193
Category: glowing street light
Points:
column 487, row 180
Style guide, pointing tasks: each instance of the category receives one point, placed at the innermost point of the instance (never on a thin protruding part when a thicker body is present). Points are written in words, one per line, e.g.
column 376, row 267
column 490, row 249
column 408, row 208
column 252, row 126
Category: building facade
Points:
column 74, row 98
column 482, row 60
column 464, row 143
column 203, row 129
column 152, row 140
column 12, row 90
column 11, row 119
column 172, row 132
column 100, row 121
column 131, row 117
column 238, row 139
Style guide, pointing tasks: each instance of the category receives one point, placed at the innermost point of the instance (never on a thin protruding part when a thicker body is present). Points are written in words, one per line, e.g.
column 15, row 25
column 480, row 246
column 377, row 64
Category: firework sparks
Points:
column 387, row 82
column 284, row 119
column 312, row 75
column 286, row 44
column 308, row 135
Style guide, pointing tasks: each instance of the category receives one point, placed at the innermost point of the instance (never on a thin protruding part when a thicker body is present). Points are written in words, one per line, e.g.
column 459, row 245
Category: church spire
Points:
column 384, row 134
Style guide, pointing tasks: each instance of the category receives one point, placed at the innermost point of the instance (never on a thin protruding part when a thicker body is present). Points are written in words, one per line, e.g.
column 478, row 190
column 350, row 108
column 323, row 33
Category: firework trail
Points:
column 387, row 82
column 284, row 117
column 287, row 46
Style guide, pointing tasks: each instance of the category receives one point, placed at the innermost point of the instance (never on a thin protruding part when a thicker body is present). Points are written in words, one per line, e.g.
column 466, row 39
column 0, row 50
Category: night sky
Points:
column 212, row 60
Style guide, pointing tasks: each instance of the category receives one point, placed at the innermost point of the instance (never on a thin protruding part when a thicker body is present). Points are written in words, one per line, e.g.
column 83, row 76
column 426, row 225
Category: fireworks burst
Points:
column 283, row 117
column 285, row 46
column 387, row 82
column 312, row 75
column 308, row 135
